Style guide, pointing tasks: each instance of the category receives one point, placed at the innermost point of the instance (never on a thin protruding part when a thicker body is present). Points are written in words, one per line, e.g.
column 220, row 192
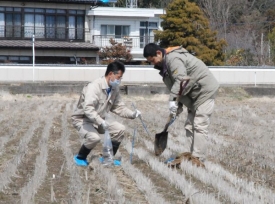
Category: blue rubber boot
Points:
column 116, row 162
column 80, row 162
column 116, row 144
column 81, row 158
column 169, row 160
column 101, row 159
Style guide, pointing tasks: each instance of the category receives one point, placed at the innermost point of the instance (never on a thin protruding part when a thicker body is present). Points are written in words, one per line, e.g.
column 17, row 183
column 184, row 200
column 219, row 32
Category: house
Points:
column 70, row 31
column 132, row 27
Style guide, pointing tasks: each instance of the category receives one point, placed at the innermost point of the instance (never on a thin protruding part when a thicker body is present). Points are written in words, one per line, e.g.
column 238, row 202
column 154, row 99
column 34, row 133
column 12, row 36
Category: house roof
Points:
column 126, row 12
column 15, row 44
column 72, row 1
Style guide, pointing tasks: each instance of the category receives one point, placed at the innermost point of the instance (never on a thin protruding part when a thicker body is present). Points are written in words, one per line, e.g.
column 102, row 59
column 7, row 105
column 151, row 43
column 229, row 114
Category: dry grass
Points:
column 38, row 142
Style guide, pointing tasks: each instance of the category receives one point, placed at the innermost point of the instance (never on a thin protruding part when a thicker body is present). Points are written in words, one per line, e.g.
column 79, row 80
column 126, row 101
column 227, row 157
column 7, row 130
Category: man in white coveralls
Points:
column 96, row 100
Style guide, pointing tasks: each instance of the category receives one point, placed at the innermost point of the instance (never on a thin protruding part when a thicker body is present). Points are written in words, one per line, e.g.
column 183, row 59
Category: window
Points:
column 60, row 27
column 149, row 24
column 3, row 58
column 34, row 24
column 50, row 27
column 15, row 59
column 49, row 24
column 72, row 27
column 147, row 32
column 153, row 24
column 2, row 25
column 10, row 25
column 24, row 58
column 79, row 27
column 118, row 31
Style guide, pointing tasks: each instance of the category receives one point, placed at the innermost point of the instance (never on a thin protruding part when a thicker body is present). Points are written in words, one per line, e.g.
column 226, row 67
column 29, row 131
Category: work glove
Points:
column 136, row 113
column 105, row 125
column 173, row 107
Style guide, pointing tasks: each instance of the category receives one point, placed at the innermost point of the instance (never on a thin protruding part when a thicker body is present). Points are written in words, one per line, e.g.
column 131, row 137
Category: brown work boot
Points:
column 196, row 161
column 188, row 157
column 177, row 161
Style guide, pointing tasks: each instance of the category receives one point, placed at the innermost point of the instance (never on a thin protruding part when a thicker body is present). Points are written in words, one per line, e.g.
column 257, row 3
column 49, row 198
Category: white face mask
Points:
column 114, row 83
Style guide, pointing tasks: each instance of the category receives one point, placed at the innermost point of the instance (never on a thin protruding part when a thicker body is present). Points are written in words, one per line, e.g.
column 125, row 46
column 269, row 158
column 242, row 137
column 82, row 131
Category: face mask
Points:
column 114, row 83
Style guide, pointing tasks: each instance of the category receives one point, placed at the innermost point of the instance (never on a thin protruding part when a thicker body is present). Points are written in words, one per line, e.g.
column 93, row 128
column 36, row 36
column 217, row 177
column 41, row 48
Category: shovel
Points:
column 161, row 138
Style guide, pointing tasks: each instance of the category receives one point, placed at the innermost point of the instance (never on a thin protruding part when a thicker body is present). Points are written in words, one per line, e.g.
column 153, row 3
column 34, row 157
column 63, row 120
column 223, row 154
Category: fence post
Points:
column 33, row 56
column 255, row 79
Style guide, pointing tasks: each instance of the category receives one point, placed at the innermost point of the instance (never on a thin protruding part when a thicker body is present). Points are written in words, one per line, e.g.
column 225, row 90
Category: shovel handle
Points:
column 171, row 119
column 168, row 123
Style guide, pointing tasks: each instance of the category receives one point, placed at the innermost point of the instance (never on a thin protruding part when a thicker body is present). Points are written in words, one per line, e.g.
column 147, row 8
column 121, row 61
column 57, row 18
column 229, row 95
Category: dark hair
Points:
column 150, row 50
column 115, row 67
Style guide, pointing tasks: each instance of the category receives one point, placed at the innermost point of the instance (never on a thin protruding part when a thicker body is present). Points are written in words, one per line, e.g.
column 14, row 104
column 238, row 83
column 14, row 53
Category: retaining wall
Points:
column 68, row 88
column 133, row 74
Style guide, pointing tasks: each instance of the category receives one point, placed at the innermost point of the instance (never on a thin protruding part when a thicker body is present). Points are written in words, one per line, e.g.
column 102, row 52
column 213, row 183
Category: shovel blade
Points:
column 160, row 142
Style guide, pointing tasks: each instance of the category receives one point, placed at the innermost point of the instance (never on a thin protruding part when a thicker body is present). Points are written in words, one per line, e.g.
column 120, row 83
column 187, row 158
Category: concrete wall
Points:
column 132, row 74
column 72, row 88
column 136, row 81
column 244, row 76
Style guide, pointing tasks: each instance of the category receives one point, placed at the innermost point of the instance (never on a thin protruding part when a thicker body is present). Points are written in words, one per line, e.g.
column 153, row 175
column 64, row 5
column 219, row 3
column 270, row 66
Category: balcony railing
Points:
column 44, row 32
column 133, row 42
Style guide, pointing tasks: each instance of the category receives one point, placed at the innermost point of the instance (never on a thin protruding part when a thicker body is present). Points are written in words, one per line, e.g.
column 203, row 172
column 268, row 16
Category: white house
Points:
column 131, row 26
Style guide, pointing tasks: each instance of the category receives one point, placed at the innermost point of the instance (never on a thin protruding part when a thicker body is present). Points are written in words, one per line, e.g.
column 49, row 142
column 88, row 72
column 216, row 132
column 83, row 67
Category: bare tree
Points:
column 243, row 24
column 218, row 13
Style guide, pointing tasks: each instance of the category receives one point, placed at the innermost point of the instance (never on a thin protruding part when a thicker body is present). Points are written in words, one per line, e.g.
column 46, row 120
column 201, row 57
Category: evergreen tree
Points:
column 184, row 24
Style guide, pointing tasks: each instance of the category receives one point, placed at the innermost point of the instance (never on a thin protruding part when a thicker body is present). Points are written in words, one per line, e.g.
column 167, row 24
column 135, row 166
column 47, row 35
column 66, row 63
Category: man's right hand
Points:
column 173, row 106
column 137, row 113
column 105, row 125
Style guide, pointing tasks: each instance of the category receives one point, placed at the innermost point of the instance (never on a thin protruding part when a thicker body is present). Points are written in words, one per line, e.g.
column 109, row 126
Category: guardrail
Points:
column 42, row 32
column 133, row 74
column 133, row 42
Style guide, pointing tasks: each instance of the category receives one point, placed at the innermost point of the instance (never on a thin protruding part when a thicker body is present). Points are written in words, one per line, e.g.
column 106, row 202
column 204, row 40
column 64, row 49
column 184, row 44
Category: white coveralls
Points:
column 93, row 105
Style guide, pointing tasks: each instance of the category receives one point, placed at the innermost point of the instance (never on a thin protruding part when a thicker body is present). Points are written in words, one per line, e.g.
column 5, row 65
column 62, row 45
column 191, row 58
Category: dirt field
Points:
column 37, row 144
